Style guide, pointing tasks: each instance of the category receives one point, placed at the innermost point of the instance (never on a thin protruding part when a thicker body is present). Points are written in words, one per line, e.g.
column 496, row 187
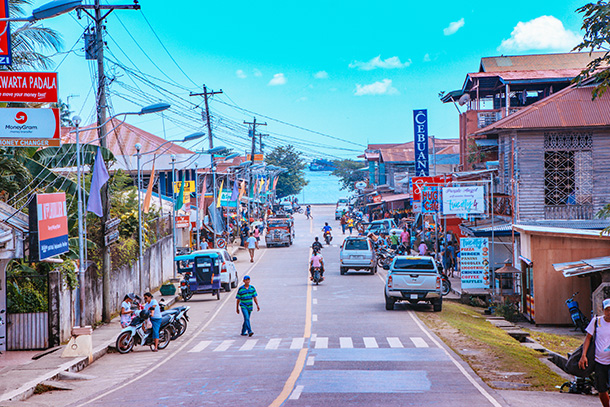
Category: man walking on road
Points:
column 246, row 294
column 602, row 353
column 251, row 244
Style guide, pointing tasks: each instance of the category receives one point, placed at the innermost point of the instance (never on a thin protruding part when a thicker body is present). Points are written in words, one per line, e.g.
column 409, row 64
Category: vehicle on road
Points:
column 357, row 253
column 280, row 231
column 328, row 237
column 135, row 335
column 340, row 210
column 287, row 207
column 201, row 274
column 228, row 272
column 413, row 279
column 179, row 320
column 317, row 275
column 343, row 202
column 381, row 226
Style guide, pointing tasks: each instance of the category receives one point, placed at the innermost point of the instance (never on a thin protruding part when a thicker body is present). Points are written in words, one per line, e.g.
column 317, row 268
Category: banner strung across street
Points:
column 463, row 200
column 26, row 87
column 474, row 262
column 5, row 35
column 420, row 123
column 49, row 222
column 29, row 127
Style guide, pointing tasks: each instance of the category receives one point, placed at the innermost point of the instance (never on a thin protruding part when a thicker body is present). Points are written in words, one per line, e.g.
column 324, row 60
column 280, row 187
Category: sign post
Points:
column 420, row 122
column 474, row 262
column 48, row 226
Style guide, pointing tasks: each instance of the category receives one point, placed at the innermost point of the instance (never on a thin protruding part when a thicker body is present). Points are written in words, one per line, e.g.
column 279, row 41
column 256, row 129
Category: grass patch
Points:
column 561, row 344
column 490, row 351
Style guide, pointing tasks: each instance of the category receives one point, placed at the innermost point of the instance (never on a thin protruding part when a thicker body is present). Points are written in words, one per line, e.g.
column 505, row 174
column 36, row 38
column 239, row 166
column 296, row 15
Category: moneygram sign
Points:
column 29, row 127
column 25, row 87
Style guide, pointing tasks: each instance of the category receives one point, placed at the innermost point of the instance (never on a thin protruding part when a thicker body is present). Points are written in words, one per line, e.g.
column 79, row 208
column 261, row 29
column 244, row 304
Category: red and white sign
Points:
column 183, row 221
column 29, row 127
column 419, row 182
column 221, row 243
column 24, row 87
column 52, row 218
column 5, row 35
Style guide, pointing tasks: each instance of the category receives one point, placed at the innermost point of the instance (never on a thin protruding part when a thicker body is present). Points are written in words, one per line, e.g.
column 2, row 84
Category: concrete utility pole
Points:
column 260, row 142
column 206, row 94
column 253, row 135
column 102, row 105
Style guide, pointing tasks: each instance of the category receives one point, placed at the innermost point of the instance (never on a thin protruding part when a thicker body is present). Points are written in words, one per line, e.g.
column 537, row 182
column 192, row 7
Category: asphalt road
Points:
column 334, row 344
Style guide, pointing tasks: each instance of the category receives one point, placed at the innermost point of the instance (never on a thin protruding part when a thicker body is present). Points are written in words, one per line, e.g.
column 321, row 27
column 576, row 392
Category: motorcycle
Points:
column 317, row 275
column 445, row 282
column 328, row 237
column 185, row 289
column 135, row 334
column 384, row 257
column 179, row 320
column 579, row 319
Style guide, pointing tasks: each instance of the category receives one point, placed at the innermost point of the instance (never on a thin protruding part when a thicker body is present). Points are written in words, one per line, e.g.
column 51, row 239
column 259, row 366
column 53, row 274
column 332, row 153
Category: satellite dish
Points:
column 465, row 98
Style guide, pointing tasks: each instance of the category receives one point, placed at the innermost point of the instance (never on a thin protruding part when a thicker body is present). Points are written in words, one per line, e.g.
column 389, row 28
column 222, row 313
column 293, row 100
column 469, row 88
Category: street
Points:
column 312, row 346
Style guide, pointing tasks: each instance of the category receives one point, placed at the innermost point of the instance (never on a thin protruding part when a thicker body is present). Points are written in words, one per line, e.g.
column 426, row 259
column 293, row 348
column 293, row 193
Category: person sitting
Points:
column 316, row 261
column 316, row 245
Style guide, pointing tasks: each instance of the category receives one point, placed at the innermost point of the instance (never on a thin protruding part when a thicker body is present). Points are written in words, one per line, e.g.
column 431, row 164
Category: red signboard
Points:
column 419, row 182
column 51, row 217
column 24, row 87
column 5, row 35
column 183, row 221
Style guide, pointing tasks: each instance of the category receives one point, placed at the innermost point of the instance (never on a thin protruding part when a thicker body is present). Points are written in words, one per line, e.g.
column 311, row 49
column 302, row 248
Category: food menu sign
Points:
column 474, row 262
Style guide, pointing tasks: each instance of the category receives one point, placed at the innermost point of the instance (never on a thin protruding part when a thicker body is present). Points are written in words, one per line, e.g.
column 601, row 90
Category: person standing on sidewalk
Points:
column 152, row 306
column 251, row 244
column 602, row 353
column 246, row 294
column 343, row 222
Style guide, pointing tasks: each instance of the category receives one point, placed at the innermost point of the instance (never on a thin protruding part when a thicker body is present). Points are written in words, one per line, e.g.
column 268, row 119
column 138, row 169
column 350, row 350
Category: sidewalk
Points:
column 19, row 378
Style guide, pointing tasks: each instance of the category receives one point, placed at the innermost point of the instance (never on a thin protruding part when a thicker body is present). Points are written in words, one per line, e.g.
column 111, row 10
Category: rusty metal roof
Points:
column 541, row 62
column 405, row 152
column 122, row 140
column 570, row 107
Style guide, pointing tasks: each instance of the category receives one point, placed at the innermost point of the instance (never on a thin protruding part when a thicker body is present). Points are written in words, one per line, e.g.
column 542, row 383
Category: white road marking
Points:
column 315, row 288
column 314, row 317
column 296, row 393
column 297, row 343
column 346, row 342
column 321, row 343
column 395, row 343
column 314, row 337
column 200, row 346
column 370, row 343
column 273, row 343
column 419, row 342
column 224, row 346
column 310, row 360
column 249, row 345
column 315, row 301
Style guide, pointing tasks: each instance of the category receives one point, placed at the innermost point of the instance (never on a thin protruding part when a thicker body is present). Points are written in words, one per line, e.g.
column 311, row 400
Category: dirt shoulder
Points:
column 501, row 361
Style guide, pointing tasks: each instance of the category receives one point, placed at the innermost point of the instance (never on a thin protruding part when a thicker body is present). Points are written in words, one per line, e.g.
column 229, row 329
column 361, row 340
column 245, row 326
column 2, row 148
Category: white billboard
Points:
column 463, row 200
column 29, row 127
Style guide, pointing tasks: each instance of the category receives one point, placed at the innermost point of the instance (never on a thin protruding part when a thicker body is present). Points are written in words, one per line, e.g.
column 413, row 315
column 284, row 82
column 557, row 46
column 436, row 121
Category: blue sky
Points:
column 352, row 70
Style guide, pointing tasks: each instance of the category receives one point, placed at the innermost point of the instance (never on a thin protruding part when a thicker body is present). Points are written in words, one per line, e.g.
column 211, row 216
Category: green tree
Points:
column 596, row 25
column 349, row 172
column 292, row 181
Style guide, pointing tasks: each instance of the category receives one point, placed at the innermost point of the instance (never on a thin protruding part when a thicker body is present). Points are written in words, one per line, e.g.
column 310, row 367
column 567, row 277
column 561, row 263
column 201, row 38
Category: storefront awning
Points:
column 579, row 268
column 395, row 197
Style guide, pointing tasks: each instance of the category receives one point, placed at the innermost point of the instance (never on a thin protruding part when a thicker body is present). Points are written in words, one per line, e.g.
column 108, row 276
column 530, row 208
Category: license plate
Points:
column 413, row 296
column 357, row 257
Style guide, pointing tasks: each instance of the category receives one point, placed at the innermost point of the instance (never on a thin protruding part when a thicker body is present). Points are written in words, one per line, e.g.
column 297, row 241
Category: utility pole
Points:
column 206, row 94
column 260, row 142
column 253, row 135
column 101, row 105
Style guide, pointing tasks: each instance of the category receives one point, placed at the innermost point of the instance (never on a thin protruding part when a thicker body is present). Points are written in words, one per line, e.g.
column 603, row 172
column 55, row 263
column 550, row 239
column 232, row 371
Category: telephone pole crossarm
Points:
column 206, row 94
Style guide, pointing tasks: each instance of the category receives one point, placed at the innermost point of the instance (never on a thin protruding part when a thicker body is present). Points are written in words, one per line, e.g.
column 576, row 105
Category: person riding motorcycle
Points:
column 316, row 261
column 327, row 229
column 316, row 245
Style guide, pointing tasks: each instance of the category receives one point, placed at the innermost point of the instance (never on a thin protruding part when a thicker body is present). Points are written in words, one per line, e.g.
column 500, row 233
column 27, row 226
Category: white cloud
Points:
column 427, row 58
column 257, row 73
column 377, row 62
column 241, row 74
column 454, row 27
column 542, row 33
column 278, row 79
column 321, row 75
column 377, row 88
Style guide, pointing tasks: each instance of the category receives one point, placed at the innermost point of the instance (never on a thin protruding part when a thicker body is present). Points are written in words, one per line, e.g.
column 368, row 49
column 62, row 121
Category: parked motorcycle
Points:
column 384, row 257
column 579, row 319
column 445, row 282
column 178, row 322
column 185, row 289
column 135, row 334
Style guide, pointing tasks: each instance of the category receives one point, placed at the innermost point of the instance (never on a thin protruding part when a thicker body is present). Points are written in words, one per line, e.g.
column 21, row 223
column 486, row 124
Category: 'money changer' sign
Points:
column 420, row 122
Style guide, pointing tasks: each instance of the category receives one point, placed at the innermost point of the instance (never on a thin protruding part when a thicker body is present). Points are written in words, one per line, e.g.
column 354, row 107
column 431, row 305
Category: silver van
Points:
column 357, row 253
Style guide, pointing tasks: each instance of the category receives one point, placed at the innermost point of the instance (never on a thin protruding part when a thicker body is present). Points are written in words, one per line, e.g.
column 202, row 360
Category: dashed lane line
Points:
column 346, row 343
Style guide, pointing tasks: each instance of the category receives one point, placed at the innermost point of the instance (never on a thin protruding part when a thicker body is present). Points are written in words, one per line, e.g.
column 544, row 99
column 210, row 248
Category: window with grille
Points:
column 568, row 165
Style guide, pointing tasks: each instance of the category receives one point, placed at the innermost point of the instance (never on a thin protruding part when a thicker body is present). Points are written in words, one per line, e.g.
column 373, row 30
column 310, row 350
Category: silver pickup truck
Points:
column 413, row 279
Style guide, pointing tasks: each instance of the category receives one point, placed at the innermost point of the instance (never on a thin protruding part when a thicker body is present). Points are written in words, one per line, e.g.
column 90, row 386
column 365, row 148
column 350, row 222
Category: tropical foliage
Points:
column 292, row 181
column 349, row 172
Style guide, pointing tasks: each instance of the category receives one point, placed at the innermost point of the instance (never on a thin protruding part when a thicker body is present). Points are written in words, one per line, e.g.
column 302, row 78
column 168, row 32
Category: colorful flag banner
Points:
column 148, row 196
column 180, row 199
column 235, row 192
column 220, row 193
column 275, row 181
column 99, row 178
column 242, row 191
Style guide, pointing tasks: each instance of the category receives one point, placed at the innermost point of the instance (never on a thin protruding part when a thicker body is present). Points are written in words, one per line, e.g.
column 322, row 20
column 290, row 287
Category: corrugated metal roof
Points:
column 405, row 152
column 570, row 107
column 123, row 139
column 571, row 60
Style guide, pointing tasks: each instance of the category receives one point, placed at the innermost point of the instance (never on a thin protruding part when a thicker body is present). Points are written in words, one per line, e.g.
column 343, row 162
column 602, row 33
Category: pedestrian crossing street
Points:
column 316, row 342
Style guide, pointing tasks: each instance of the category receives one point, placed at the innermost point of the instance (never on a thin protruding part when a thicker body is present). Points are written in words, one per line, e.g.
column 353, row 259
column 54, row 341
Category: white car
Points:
column 228, row 271
column 340, row 210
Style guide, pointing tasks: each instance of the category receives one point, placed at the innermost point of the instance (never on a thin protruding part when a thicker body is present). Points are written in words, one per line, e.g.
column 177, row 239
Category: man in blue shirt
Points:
column 246, row 295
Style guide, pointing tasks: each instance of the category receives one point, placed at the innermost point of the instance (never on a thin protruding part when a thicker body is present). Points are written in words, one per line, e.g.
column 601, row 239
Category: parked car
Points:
column 357, row 253
column 382, row 225
column 413, row 279
column 340, row 210
column 343, row 202
column 228, row 271
column 287, row 207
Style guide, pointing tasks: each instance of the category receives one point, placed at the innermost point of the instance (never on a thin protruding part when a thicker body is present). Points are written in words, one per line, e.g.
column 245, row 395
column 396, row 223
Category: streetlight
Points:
column 48, row 10
column 79, row 192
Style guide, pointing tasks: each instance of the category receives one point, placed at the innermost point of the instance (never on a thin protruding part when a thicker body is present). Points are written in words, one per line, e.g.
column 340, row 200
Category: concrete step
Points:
column 535, row 346
column 518, row 335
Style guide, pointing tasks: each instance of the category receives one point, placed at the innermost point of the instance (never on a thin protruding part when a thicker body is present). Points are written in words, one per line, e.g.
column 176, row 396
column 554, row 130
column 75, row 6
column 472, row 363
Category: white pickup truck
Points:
column 413, row 279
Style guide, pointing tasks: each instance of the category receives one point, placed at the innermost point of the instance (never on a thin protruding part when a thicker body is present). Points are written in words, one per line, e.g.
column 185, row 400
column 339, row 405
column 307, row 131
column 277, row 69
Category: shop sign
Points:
column 49, row 222
column 474, row 262
column 29, row 127
column 183, row 221
column 420, row 123
column 188, row 187
column 25, row 87
column 463, row 200
column 417, row 183
column 430, row 199
column 5, row 35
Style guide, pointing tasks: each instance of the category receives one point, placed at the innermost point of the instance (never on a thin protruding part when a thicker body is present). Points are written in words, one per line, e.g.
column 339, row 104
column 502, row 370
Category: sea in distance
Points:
column 323, row 188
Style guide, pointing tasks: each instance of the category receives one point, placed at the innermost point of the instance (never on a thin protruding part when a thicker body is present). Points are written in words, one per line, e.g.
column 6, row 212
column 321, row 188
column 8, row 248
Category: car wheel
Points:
column 389, row 303
column 343, row 270
column 437, row 305
column 226, row 287
column 234, row 283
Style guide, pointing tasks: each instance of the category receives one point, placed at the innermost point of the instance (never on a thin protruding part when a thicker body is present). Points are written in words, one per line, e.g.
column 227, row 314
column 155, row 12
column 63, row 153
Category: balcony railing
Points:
column 487, row 117
column 567, row 212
